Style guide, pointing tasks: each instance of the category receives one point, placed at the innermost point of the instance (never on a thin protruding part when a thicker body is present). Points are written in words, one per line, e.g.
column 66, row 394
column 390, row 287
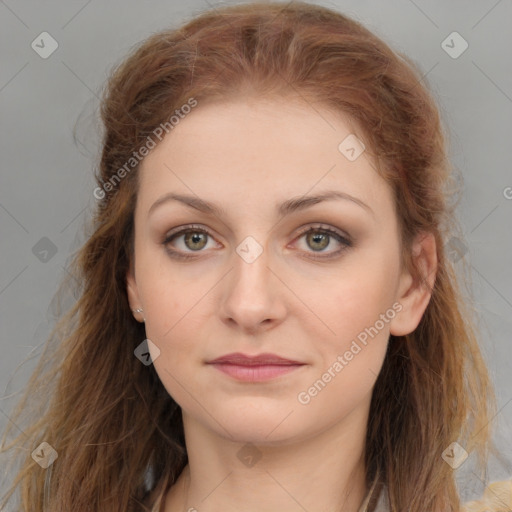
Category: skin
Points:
column 246, row 156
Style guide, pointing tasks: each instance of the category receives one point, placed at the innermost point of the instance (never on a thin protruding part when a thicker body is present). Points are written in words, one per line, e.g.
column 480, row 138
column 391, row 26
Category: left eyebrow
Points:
column 302, row 202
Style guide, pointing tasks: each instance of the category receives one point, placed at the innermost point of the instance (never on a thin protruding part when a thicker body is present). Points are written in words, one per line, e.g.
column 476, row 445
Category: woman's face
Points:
column 248, row 279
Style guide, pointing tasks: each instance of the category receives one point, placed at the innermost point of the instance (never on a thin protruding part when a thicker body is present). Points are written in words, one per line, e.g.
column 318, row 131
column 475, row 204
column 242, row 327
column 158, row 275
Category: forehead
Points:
column 267, row 149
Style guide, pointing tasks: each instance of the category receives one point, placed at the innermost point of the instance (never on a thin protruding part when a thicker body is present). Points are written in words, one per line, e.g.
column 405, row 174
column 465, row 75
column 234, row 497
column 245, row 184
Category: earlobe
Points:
column 414, row 295
column 133, row 294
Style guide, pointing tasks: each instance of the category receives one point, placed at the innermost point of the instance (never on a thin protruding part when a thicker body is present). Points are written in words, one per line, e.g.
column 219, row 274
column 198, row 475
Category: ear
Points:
column 133, row 293
column 414, row 295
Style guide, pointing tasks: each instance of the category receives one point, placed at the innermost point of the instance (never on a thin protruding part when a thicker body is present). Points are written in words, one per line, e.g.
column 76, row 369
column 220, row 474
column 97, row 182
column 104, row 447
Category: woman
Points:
column 268, row 319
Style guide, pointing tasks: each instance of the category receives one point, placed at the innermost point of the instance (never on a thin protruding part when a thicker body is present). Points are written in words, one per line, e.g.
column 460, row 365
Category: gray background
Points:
column 46, row 179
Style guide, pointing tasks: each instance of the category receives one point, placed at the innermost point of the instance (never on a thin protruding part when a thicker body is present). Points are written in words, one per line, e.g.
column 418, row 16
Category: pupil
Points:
column 195, row 238
column 320, row 236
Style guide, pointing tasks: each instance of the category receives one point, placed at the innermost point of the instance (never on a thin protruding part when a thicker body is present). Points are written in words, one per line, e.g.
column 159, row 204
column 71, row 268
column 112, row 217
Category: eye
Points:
column 195, row 239
column 318, row 238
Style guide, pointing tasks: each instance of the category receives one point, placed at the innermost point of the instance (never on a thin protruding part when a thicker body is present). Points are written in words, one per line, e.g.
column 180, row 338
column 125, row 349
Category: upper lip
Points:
column 260, row 359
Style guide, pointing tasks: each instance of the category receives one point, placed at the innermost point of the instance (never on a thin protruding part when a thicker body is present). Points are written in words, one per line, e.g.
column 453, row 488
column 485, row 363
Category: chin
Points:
column 271, row 426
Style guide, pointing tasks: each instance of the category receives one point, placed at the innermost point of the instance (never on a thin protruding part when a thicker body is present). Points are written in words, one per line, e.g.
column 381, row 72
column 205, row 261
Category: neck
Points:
column 323, row 472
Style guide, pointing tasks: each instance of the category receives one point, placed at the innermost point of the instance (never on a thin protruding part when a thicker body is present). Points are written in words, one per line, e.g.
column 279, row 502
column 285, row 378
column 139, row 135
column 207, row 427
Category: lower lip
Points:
column 256, row 373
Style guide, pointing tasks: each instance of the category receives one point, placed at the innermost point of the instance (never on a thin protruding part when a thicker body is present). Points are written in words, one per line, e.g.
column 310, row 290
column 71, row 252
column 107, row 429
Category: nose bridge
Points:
column 251, row 296
column 251, row 273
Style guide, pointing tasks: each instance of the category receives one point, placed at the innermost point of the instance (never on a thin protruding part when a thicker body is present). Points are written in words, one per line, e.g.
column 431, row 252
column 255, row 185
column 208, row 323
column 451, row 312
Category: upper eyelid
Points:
column 183, row 229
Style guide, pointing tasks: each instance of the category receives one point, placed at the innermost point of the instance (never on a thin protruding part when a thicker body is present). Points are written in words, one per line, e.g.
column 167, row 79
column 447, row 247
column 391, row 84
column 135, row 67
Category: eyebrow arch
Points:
column 287, row 207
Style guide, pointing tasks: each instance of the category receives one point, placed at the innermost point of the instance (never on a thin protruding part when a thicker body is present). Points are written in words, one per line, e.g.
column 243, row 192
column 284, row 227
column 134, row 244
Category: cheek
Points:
column 351, row 352
column 346, row 306
column 170, row 296
column 178, row 308
column 351, row 339
column 343, row 385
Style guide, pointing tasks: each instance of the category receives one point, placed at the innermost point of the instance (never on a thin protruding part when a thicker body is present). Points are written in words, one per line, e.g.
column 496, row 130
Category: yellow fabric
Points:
column 497, row 497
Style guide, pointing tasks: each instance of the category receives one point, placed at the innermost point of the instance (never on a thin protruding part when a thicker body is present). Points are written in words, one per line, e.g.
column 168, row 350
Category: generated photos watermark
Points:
column 343, row 360
column 137, row 156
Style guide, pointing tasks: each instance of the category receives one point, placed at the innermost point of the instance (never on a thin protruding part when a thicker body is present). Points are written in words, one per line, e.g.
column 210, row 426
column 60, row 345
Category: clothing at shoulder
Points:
column 497, row 497
column 375, row 501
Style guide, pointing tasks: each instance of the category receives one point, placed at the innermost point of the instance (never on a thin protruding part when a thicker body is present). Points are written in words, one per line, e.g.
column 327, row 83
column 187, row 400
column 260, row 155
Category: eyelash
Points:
column 346, row 242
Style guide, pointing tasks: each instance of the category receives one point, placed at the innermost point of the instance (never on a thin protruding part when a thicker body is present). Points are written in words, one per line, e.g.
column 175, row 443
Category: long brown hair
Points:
column 117, row 432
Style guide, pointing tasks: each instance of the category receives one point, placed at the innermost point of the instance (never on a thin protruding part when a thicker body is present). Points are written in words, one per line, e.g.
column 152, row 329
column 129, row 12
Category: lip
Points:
column 255, row 368
column 239, row 359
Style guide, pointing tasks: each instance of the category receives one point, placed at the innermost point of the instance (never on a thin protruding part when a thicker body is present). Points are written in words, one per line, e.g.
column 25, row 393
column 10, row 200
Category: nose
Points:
column 254, row 296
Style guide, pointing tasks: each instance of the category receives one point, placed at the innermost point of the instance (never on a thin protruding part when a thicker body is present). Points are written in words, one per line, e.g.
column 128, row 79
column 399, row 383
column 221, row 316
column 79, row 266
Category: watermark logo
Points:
column 147, row 352
column 45, row 455
column 44, row 250
column 454, row 455
column 249, row 249
column 249, row 455
column 454, row 45
column 351, row 147
column 44, row 45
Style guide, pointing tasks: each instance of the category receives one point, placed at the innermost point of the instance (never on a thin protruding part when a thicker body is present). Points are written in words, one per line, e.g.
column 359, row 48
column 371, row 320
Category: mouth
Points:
column 258, row 368
column 255, row 372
